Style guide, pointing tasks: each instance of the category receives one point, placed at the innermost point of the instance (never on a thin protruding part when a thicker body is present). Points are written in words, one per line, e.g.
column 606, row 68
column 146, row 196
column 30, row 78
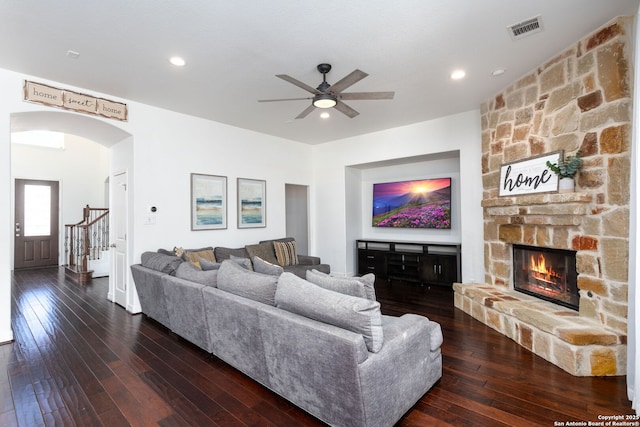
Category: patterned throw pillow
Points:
column 194, row 255
column 286, row 253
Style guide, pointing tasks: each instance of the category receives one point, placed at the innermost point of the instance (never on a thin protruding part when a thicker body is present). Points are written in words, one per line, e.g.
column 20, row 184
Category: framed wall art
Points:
column 208, row 202
column 252, row 203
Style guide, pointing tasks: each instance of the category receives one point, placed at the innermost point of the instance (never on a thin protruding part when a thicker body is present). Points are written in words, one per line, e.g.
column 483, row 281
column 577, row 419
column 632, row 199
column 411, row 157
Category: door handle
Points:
column 17, row 227
column 113, row 245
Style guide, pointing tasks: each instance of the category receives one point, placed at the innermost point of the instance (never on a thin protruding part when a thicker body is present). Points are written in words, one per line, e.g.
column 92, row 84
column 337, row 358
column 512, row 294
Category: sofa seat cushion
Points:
column 286, row 253
column 362, row 287
column 190, row 272
column 160, row 262
column 264, row 251
column 237, row 280
column 355, row 314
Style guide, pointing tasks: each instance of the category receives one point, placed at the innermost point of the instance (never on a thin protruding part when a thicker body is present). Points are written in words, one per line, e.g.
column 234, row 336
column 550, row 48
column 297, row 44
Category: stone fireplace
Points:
column 579, row 100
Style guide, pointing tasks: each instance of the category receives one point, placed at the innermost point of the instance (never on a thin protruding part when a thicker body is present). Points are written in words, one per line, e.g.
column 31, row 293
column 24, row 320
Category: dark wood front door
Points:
column 36, row 223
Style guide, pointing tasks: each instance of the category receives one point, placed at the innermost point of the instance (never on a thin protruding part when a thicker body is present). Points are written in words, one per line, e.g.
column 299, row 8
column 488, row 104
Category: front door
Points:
column 118, row 215
column 36, row 223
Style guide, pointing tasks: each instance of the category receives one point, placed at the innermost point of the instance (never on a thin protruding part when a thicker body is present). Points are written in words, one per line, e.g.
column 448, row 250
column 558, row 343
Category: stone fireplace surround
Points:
column 578, row 100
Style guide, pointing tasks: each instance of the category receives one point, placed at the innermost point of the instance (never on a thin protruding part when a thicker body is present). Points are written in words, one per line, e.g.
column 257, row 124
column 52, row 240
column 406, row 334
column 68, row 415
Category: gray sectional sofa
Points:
column 331, row 353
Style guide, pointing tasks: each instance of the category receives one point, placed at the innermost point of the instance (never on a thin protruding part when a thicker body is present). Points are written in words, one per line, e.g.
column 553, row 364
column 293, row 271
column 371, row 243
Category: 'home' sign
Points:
column 529, row 176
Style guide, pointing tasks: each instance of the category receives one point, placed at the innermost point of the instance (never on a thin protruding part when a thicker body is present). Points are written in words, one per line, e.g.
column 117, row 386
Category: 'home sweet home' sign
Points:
column 54, row 97
column 529, row 176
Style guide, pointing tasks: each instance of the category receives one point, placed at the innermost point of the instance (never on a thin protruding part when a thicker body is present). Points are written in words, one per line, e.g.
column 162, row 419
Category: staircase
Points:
column 86, row 245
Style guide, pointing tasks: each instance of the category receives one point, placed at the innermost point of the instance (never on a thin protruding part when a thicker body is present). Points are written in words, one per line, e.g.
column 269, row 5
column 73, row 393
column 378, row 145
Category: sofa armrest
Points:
column 308, row 260
column 406, row 367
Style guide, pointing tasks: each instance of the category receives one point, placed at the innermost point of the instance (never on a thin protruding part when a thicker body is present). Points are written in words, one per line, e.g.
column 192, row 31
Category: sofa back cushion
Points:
column 222, row 253
column 355, row 286
column 190, row 272
column 262, row 250
column 237, row 280
column 355, row 314
column 160, row 262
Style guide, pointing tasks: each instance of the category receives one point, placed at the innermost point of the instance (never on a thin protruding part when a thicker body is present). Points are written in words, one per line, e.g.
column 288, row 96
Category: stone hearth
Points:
column 579, row 100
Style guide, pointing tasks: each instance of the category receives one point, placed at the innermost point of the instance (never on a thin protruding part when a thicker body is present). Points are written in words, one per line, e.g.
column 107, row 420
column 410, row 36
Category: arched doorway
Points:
column 100, row 132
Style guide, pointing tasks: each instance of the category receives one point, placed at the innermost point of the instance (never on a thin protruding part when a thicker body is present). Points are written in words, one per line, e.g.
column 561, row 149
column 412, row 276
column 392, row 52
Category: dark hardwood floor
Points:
column 78, row 359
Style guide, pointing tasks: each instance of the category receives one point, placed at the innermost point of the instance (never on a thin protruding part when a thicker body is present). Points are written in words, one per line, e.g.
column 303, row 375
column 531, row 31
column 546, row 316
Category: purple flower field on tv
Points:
column 431, row 215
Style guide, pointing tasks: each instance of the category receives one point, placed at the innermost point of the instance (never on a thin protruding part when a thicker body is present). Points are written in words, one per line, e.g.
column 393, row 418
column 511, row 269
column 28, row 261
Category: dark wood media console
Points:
column 423, row 262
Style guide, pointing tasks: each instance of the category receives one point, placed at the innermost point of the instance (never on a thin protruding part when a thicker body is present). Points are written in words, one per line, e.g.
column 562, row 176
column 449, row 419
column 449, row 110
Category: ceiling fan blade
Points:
column 345, row 109
column 298, row 83
column 366, row 95
column 306, row 112
column 283, row 99
column 350, row 79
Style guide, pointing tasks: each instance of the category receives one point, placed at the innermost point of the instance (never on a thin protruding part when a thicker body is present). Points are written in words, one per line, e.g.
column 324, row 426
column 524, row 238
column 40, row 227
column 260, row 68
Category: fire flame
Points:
column 540, row 271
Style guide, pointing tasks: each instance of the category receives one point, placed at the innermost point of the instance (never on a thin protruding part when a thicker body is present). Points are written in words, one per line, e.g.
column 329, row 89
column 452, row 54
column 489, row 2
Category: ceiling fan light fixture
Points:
column 324, row 100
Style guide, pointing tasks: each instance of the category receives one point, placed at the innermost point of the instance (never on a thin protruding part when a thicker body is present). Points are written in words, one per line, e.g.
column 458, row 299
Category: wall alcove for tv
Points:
column 359, row 180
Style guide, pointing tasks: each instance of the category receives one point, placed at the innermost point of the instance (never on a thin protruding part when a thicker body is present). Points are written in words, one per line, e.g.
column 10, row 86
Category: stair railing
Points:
column 87, row 239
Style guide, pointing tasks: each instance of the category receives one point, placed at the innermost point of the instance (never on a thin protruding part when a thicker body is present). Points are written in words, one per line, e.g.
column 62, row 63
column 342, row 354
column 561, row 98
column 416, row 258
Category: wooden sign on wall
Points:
column 529, row 176
column 61, row 98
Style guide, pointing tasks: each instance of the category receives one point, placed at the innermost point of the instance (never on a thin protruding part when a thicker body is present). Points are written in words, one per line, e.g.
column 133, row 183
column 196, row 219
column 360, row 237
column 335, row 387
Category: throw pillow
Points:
column 237, row 280
column 262, row 250
column 208, row 265
column 160, row 262
column 242, row 262
column 286, row 253
column 190, row 272
column 358, row 315
column 264, row 267
column 355, row 286
column 194, row 255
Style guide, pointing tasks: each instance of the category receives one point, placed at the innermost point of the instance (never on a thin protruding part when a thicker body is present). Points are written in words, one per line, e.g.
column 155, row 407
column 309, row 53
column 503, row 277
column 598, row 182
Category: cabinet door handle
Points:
column 434, row 269
column 440, row 269
column 370, row 256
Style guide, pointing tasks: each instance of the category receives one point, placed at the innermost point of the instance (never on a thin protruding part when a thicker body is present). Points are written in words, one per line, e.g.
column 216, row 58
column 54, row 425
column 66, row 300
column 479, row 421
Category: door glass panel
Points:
column 37, row 210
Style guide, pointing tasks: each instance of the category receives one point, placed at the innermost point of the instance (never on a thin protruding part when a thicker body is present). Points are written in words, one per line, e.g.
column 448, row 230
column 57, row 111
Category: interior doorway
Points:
column 36, row 223
column 297, row 215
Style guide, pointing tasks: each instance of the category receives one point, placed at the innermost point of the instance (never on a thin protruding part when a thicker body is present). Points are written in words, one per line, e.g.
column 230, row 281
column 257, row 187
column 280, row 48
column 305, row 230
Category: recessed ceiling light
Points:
column 177, row 61
column 498, row 72
column 325, row 115
column 458, row 74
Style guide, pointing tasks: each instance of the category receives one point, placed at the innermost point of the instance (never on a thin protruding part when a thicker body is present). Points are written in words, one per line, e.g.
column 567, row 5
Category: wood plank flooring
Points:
column 78, row 359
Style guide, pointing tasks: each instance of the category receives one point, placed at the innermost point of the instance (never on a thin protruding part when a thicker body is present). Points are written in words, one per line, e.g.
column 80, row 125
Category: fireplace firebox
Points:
column 546, row 273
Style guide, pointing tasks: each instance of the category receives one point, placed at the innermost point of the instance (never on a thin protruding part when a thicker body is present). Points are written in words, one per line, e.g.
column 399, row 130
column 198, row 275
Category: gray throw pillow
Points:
column 264, row 267
column 362, row 287
column 237, row 280
column 355, row 314
column 208, row 265
column 160, row 262
column 242, row 262
column 190, row 272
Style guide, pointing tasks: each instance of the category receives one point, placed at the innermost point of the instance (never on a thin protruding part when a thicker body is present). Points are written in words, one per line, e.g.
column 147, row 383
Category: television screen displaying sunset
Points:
column 424, row 203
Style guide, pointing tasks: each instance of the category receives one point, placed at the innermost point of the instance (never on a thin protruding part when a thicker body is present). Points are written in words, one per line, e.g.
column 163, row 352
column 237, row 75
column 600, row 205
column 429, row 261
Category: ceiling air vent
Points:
column 525, row 28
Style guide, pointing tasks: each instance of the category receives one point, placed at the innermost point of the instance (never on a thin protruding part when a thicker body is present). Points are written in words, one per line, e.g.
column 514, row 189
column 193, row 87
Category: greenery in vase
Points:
column 567, row 167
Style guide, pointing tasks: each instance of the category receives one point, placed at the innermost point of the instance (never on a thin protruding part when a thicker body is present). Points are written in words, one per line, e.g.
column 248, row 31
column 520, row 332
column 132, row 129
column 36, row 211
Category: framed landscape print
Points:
column 252, row 203
column 208, row 202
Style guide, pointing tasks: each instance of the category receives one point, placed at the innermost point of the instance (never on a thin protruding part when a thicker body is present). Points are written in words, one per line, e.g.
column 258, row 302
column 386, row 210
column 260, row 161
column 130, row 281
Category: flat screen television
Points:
column 420, row 203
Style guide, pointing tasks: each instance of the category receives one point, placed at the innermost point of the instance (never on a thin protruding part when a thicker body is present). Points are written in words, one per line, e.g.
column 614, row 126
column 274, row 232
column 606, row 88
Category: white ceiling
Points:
column 234, row 49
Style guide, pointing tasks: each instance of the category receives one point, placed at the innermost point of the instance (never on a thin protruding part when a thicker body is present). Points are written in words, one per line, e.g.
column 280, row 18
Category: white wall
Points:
column 8, row 89
column 81, row 167
column 333, row 176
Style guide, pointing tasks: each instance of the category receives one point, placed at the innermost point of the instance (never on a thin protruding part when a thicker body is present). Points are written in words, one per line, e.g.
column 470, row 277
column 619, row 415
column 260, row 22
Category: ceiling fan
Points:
column 328, row 96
